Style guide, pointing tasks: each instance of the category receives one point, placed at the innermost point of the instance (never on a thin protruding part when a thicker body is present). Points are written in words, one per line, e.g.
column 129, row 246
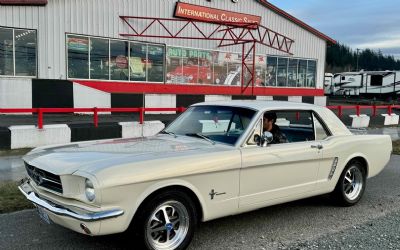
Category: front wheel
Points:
column 351, row 184
column 167, row 221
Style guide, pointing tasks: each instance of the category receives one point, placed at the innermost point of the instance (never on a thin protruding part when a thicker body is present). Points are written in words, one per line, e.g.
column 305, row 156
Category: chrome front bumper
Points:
column 62, row 211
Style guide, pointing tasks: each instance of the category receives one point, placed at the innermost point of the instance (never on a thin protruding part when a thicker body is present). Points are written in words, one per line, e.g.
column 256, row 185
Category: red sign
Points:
column 205, row 14
column 23, row 2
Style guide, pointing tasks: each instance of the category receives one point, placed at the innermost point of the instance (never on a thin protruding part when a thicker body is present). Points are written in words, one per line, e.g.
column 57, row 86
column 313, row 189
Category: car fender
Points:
column 349, row 159
column 359, row 155
column 168, row 183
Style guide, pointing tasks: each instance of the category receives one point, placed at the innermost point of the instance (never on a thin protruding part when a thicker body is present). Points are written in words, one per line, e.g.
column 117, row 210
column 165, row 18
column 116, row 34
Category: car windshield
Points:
column 212, row 123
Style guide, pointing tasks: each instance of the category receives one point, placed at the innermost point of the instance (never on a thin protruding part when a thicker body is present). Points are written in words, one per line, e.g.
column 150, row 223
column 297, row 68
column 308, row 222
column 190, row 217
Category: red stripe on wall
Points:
column 157, row 88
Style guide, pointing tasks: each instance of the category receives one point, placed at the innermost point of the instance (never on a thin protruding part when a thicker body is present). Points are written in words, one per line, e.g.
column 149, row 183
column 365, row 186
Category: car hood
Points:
column 93, row 155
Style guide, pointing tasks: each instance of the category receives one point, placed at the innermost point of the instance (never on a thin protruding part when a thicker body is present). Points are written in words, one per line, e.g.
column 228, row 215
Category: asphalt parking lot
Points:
column 307, row 224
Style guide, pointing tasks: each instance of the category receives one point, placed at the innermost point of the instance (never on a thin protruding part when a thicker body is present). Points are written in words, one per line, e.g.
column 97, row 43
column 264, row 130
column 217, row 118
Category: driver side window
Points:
column 296, row 125
column 290, row 126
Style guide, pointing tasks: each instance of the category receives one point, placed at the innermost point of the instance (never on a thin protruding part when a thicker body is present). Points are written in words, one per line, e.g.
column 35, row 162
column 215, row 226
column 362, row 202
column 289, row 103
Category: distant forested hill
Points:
column 341, row 58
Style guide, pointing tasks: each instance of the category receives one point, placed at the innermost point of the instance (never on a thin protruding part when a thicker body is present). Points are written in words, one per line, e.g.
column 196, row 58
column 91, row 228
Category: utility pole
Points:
column 358, row 50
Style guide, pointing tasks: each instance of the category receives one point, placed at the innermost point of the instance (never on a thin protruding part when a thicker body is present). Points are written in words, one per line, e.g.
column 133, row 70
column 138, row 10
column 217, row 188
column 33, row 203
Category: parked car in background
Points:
column 213, row 161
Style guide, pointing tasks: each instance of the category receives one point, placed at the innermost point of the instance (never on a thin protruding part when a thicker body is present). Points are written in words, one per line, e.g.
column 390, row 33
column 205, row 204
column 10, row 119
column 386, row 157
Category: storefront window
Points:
column 25, row 52
column 138, row 61
column 174, row 65
column 220, row 67
column 234, row 69
column 205, row 67
column 272, row 64
column 311, row 73
column 18, row 52
column 112, row 59
column 302, row 73
column 190, row 69
column 78, row 57
column 282, row 72
column 6, row 52
column 261, row 68
column 292, row 74
column 156, row 63
column 99, row 58
column 119, row 65
column 247, row 71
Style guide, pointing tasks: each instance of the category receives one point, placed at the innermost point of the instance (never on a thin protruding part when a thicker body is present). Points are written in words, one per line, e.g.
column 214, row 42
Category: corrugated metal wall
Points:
column 101, row 18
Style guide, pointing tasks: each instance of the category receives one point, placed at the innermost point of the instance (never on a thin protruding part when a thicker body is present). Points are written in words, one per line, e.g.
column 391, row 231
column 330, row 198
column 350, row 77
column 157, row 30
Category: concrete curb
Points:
column 29, row 136
column 360, row 121
column 392, row 119
column 134, row 129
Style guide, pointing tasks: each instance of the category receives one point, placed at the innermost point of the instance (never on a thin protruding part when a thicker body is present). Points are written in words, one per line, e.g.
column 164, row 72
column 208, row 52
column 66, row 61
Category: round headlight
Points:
column 89, row 190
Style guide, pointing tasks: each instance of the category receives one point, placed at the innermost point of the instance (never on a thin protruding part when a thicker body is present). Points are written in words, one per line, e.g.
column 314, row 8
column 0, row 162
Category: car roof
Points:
column 261, row 105
column 334, row 124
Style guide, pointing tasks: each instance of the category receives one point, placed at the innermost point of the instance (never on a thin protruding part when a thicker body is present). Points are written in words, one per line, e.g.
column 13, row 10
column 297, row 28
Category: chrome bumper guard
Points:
column 59, row 210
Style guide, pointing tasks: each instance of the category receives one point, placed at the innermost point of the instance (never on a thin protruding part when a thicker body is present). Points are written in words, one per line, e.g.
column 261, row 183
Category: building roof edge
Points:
column 296, row 21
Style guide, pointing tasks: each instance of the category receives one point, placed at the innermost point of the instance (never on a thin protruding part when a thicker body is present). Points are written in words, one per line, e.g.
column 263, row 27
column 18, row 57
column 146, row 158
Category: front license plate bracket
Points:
column 43, row 215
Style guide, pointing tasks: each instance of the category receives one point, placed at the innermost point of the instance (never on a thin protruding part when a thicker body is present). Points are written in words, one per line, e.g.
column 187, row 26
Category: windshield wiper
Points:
column 169, row 133
column 201, row 136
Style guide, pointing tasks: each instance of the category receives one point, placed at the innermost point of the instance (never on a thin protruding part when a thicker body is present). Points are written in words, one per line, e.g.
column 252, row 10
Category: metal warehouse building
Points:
column 135, row 53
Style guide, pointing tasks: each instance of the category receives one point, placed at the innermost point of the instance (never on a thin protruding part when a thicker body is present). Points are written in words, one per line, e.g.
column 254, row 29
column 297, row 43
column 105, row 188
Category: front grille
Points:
column 44, row 179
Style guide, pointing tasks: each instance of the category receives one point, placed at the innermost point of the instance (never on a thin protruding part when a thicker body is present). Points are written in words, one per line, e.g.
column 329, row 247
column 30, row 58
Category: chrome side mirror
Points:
column 268, row 137
column 257, row 139
column 264, row 140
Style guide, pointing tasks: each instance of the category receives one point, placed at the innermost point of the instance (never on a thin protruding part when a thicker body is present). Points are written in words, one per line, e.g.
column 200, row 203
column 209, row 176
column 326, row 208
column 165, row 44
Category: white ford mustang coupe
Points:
column 216, row 159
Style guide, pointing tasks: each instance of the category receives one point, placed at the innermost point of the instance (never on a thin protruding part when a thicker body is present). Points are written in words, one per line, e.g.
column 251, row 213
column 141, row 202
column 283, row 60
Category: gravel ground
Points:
column 381, row 233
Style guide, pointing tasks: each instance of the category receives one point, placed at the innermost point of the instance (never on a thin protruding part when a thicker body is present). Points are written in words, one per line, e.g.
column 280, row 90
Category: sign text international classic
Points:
column 205, row 14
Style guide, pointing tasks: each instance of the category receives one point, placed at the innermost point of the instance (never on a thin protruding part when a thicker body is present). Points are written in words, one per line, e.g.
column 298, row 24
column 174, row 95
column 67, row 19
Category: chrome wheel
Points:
column 353, row 182
column 168, row 226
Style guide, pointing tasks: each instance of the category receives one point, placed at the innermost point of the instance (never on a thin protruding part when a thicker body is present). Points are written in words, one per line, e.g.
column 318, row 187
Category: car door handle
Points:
column 317, row 146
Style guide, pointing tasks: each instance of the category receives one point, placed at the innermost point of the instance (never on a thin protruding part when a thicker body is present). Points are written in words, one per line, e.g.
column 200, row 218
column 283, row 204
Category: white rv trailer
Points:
column 367, row 83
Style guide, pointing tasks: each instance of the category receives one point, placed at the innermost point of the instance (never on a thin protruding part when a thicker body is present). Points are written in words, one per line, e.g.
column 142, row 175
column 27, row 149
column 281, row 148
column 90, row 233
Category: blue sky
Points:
column 364, row 24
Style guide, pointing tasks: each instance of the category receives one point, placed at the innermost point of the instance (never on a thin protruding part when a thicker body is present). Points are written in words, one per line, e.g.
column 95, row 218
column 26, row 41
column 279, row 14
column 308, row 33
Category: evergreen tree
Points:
column 341, row 58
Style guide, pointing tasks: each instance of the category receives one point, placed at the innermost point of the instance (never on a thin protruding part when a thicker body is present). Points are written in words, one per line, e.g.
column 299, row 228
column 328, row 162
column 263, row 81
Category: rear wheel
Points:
column 167, row 221
column 351, row 184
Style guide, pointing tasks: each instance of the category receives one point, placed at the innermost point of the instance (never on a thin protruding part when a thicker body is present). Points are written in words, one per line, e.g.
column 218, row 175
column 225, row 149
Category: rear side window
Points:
column 297, row 126
column 320, row 132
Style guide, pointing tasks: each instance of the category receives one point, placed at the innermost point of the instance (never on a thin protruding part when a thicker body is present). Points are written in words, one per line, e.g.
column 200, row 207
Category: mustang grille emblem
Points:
column 37, row 176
